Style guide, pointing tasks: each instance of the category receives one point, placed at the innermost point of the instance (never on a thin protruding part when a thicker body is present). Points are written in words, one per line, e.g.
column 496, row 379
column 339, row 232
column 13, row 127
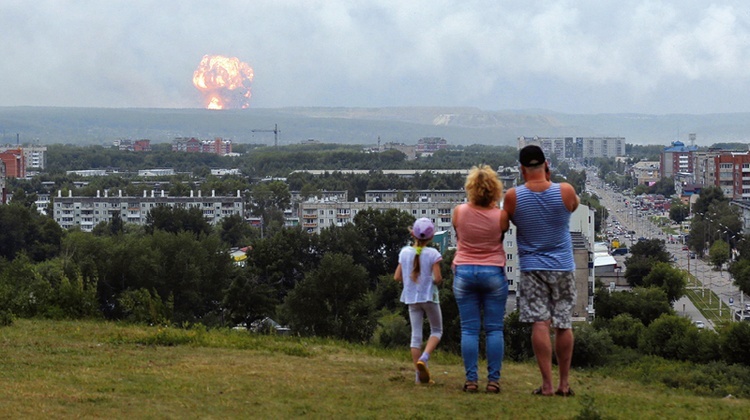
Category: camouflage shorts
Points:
column 544, row 295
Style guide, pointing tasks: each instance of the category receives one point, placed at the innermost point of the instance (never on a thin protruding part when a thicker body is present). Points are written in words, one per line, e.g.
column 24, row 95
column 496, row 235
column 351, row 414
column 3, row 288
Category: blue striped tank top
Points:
column 543, row 230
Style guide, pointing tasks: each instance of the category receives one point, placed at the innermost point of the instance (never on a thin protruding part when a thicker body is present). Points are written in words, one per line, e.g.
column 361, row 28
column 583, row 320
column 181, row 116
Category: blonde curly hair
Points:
column 482, row 186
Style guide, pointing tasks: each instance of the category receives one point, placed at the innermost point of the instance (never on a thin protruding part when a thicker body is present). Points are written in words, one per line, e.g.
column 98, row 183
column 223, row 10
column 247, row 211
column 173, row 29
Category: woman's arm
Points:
column 437, row 275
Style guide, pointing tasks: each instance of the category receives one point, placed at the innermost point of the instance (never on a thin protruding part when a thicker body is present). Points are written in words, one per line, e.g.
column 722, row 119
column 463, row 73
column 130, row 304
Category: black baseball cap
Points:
column 531, row 155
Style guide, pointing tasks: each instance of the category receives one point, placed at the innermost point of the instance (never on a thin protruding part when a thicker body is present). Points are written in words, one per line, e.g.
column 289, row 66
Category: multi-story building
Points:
column 430, row 145
column 704, row 166
column 577, row 147
column 34, row 156
column 676, row 158
column 186, row 144
column 127, row 145
column 15, row 162
column 217, row 146
column 87, row 212
column 645, row 172
column 319, row 214
column 732, row 173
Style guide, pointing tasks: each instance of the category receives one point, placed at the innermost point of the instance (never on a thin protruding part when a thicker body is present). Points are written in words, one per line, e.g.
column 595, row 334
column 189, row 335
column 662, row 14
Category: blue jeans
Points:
column 480, row 288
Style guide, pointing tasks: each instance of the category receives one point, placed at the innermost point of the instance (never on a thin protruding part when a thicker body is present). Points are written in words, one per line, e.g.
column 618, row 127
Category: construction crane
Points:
column 275, row 132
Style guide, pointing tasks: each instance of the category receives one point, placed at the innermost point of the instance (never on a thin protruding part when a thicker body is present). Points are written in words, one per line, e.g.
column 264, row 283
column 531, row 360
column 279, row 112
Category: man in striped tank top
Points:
column 541, row 211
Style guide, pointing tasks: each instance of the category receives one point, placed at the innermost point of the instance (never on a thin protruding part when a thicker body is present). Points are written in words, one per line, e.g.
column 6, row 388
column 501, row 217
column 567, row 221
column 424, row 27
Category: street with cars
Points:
column 628, row 223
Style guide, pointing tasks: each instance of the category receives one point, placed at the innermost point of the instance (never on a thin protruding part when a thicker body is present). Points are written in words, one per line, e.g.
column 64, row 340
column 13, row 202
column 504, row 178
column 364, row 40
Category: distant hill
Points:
column 463, row 126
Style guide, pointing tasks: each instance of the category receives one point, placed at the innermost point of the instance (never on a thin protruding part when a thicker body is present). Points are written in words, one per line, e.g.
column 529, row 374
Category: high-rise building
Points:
column 577, row 147
column 675, row 159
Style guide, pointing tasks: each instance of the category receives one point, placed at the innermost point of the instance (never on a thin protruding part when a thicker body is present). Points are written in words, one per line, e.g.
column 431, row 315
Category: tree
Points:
column 330, row 301
column 719, row 254
column 708, row 196
column 735, row 343
column 678, row 211
column 386, row 232
column 668, row 278
column 283, row 259
column 664, row 186
column 643, row 256
column 234, row 231
column 174, row 220
column 23, row 229
column 248, row 298
column 645, row 304
column 740, row 271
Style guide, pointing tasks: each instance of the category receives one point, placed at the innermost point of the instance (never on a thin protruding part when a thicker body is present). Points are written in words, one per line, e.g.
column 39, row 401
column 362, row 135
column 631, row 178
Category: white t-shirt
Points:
column 423, row 290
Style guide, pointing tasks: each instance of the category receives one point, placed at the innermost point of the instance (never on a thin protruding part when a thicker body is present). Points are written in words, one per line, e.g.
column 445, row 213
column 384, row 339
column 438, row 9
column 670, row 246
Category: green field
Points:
column 93, row 369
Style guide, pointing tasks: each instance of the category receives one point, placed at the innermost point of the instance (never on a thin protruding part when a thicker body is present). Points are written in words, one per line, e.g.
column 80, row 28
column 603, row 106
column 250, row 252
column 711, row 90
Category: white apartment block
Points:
column 577, row 147
column 87, row 212
column 317, row 215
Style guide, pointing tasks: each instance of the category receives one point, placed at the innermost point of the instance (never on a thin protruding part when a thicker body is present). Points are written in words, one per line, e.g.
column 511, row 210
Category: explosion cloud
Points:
column 224, row 82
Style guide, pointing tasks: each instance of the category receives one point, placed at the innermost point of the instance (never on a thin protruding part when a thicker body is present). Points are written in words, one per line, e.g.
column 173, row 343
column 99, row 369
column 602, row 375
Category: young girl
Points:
column 421, row 264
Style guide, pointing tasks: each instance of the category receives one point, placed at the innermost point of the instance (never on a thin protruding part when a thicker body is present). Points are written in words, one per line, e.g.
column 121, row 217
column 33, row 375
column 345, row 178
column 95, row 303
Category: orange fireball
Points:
column 224, row 82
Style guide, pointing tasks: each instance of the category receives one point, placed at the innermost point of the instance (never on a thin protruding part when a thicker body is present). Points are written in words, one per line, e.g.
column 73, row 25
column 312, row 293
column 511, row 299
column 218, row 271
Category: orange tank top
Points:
column 479, row 236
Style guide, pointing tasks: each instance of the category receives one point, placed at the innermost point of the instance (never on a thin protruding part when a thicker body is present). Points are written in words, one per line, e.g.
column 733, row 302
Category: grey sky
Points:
column 588, row 56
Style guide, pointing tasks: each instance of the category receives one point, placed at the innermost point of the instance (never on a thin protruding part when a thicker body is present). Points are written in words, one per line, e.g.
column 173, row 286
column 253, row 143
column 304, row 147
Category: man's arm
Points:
column 509, row 202
column 569, row 197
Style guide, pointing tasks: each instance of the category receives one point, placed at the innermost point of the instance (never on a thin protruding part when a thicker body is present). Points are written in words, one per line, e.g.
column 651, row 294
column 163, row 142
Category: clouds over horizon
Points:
column 567, row 56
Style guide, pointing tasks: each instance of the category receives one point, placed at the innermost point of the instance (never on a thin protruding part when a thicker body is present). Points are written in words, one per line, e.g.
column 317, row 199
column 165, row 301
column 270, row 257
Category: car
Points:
column 685, row 248
column 692, row 255
column 700, row 325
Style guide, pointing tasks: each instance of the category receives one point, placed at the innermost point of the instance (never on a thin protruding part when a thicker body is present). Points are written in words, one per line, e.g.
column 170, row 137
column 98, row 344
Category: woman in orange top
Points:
column 479, row 283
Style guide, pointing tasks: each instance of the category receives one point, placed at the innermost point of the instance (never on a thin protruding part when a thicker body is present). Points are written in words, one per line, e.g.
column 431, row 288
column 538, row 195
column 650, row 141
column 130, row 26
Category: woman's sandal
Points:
column 493, row 388
column 471, row 387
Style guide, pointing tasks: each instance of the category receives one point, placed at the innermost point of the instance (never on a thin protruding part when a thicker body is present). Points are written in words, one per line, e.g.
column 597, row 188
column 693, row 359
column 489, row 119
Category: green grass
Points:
column 708, row 304
column 93, row 369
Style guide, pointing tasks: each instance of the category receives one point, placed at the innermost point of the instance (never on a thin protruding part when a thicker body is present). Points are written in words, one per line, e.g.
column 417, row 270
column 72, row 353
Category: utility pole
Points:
column 275, row 132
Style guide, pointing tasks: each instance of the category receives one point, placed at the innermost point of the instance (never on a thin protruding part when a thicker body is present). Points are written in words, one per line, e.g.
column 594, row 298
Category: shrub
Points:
column 6, row 318
column 667, row 337
column 625, row 330
column 592, row 347
column 517, row 338
column 392, row 331
column 735, row 343
column 143, row 306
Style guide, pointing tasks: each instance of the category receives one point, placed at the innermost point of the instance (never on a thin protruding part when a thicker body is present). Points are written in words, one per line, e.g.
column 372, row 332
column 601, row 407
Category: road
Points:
column 720, row 282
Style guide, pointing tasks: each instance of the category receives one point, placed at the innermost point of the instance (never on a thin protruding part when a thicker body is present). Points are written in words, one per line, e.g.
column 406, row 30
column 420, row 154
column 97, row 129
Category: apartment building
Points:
column 34, row 156
column 87, row 212
column 577, row 147
column 645, row 172
column 15, row 162
column 675, row 159
column 319, row 214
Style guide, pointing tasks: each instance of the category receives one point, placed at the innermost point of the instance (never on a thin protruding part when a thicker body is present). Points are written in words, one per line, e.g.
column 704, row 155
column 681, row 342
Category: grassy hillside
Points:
column 95, row 369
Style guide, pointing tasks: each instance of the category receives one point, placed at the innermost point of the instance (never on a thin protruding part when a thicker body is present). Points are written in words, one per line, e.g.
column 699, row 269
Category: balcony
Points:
column 310, row 225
